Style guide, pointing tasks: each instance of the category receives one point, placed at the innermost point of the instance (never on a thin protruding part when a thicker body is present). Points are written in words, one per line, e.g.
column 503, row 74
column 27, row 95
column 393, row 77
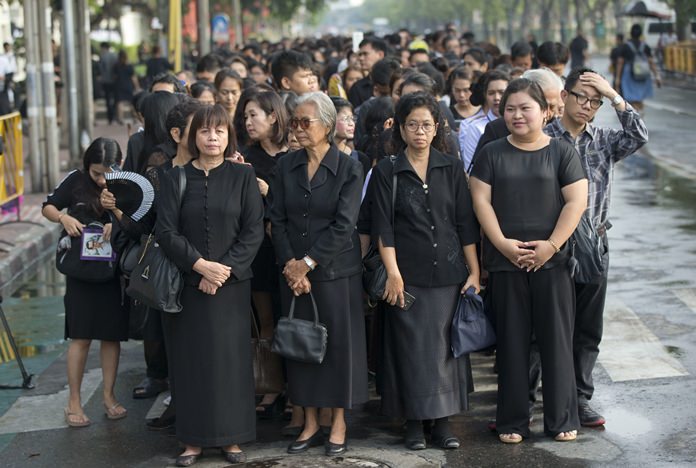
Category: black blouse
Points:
column 80, row 195
column 317, row 217
column 220, row 220
column 526, row 193
column 433, row 221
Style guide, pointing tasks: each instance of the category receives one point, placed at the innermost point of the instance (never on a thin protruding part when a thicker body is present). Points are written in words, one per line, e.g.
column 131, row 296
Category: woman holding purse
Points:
column 315, row 200
column 212, row 236
column 93, row 311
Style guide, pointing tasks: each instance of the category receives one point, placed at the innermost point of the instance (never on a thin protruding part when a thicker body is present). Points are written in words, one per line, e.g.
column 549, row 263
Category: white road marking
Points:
column 630, row 351
column 41, row 412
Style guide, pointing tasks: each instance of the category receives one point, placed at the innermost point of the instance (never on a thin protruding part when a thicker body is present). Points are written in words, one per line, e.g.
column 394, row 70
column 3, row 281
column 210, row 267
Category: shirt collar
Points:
column 330, row 160
column 435, row 159
column 558, row 127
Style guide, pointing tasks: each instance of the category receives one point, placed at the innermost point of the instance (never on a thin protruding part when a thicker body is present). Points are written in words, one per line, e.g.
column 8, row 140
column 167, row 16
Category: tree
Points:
column 685, row 10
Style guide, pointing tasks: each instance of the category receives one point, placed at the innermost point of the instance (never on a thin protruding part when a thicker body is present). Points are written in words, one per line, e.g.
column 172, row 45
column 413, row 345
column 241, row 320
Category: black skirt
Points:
column 340, row 381
column 93, row 311
column 209, row 350
column 420, row 377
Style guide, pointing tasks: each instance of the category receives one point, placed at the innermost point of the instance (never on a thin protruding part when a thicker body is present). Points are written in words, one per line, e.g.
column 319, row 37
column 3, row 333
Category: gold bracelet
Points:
column 553, row 244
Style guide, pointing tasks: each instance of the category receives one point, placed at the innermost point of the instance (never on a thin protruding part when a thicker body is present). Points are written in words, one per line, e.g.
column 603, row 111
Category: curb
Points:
column 675, row 166
column 31, row 246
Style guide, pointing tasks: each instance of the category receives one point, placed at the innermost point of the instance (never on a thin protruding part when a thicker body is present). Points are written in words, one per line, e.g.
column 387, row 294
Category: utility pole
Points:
column 84, row 54
column 71, row 78
column 203, row 14
column 31, row 33
column 238, row 31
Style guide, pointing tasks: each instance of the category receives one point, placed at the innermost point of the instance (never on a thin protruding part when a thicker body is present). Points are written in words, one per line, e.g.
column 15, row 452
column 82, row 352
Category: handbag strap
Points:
column 256, row 333
column 395, row 180
column 291, row 314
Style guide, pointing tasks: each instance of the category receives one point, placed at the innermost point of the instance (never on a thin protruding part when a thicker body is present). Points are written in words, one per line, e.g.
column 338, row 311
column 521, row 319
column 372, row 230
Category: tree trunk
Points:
column 510, row 13
column 578, row 15
column 526, row 14
column 546, row 10
column 618, row 8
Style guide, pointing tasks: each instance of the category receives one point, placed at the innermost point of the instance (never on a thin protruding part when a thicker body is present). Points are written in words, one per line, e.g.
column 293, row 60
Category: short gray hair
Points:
column 545, row 78
column 326, row 111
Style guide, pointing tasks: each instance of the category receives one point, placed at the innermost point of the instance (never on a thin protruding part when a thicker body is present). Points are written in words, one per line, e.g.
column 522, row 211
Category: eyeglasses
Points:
column 582, row 100
column 304, row 122
column 414, row 126
column 348, row 119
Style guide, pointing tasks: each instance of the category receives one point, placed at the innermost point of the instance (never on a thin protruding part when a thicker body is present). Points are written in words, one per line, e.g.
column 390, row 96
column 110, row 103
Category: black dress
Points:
column 433, row 221
column 318, row 218
column 264, row 265
column 93, row 311
column 220, row 219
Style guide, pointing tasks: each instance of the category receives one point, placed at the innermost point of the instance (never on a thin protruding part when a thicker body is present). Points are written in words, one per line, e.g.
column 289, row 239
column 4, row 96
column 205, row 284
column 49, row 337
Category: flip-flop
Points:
column 571, row 435
column 110, row 414
column 510, row 438
column 86, row 422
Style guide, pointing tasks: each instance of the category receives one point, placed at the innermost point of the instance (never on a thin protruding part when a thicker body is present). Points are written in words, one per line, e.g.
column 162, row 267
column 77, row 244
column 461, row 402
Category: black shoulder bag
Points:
column 374, row 272
column 156, row 281
column 70, row 263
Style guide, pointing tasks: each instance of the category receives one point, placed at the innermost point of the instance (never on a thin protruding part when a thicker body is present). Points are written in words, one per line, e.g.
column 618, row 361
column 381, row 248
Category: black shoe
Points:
column 187, row 460
column 300, row 446
column 272, row 410
column 445, row 441
column 333, row 450
column 161, row 424
column 588, row 416
column 415, row 444
column 234, row 457
column 150, row 388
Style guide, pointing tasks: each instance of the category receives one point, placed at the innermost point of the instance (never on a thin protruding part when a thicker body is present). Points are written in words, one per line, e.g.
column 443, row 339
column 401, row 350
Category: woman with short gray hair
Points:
column 314, row 203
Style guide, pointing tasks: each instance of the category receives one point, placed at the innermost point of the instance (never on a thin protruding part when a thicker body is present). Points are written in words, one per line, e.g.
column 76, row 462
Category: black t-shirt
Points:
column 627, row 53
column 526, row 193
column 577, row 46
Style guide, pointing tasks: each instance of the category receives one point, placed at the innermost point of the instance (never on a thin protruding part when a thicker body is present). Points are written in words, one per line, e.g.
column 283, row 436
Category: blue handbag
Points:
column 471, row 331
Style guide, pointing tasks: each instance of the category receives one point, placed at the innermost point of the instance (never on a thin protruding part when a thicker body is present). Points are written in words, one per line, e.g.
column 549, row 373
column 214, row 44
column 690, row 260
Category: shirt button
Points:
column 425, row 186
column 432, row 228
column 435, row 263
column 304, row 215
column 306, row 195
column 427, row 210
column 435, row 245
column 426, row 191
column 304, row 234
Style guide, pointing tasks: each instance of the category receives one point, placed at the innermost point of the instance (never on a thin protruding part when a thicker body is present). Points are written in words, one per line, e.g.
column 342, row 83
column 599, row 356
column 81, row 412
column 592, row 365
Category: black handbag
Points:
column 268, row 366
column 301, row 340
column 129, row 258
column 471, row 331
column 156, row 281
column 589, row 257
column 69, row 263
column 374, row 272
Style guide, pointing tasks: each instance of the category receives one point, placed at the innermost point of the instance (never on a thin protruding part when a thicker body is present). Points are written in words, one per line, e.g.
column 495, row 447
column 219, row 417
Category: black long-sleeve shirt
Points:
column 433, row 221
column 220, row 219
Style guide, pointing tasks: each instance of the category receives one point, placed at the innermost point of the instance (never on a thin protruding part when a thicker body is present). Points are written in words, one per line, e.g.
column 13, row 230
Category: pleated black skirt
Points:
column 420, row 377
column 93, row 311
column 209, row 349
column 340, row 381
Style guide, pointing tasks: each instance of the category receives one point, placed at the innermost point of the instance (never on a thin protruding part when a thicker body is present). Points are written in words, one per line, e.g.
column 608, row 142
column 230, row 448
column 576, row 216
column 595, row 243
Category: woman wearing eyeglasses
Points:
column 428, row 246
column 315, row 200
column 529, row 193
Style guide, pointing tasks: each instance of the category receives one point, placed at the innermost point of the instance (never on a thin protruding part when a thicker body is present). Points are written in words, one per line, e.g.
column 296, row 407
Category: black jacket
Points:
column 317, row 218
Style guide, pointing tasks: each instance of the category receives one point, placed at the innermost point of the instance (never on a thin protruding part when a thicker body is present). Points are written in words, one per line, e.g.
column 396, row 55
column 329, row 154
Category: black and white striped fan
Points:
column 134, row 193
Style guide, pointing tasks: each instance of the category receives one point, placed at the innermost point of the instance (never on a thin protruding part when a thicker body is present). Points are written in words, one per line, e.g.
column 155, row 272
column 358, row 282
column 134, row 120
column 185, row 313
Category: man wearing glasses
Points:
column 600, row 148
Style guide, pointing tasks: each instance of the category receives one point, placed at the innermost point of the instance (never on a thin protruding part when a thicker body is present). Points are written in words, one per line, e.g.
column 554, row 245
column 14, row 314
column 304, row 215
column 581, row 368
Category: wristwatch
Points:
column 618, row 100
column 310, row 263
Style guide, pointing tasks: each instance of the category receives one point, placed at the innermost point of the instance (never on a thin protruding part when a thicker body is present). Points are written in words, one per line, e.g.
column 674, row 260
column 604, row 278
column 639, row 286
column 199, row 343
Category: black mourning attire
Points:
column 221, row 220
column 361, row 91
column 318, row 218
column 433, row 221
column 93, row 311
column 527, row 200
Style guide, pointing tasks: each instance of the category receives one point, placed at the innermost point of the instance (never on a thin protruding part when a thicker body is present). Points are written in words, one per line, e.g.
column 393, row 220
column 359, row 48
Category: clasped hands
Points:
column 295, row 273
column 531, row 255
column 213, row 274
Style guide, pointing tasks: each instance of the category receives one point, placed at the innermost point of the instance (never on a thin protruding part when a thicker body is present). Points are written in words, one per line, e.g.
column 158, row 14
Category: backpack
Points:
column 640, row 67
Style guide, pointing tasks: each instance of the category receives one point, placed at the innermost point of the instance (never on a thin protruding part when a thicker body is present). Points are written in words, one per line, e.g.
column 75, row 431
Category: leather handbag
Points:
column 374, row 272
column 268, row 366
column 129, row 258
column 156, row 281
column 301, row 340
column 69, row 263
column 471, row 331
column 589, row 257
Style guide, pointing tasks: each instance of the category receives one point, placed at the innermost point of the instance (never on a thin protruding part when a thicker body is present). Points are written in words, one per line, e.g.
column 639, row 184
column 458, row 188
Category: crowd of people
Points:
column 462, row 165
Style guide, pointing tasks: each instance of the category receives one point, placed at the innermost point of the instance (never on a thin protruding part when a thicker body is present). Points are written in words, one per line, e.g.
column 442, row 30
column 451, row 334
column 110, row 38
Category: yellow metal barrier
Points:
column 11, row 158
column 681, row 58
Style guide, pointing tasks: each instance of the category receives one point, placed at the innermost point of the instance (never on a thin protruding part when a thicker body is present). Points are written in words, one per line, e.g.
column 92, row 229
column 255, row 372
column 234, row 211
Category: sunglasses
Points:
column 304, row 122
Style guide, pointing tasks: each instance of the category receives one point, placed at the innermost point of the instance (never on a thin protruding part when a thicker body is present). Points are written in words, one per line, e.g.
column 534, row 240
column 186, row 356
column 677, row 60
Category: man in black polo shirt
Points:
column 372, row 49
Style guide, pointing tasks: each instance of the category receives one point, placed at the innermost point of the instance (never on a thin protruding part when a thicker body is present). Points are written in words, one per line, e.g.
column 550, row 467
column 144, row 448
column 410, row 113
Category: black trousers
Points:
column 542, row 304
column 154, row 347
column 110, row 98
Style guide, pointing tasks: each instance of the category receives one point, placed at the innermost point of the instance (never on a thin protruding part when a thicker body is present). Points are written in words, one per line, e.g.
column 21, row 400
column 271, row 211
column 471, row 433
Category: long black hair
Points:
column 104, row 151
column 155, row 108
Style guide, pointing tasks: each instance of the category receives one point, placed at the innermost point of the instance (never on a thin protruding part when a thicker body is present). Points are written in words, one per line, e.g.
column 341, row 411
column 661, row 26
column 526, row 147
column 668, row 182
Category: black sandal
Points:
column 446, row 441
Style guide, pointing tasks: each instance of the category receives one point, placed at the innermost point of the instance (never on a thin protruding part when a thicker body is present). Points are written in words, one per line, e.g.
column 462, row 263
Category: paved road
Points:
column 645, row 376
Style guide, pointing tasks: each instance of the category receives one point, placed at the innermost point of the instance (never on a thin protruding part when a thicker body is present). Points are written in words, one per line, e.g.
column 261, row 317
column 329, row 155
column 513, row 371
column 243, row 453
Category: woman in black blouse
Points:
column 315, row 199
column 429, row 251
column 261, row 123
column 529, row 193
column 213, row 238
column 93, row 311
